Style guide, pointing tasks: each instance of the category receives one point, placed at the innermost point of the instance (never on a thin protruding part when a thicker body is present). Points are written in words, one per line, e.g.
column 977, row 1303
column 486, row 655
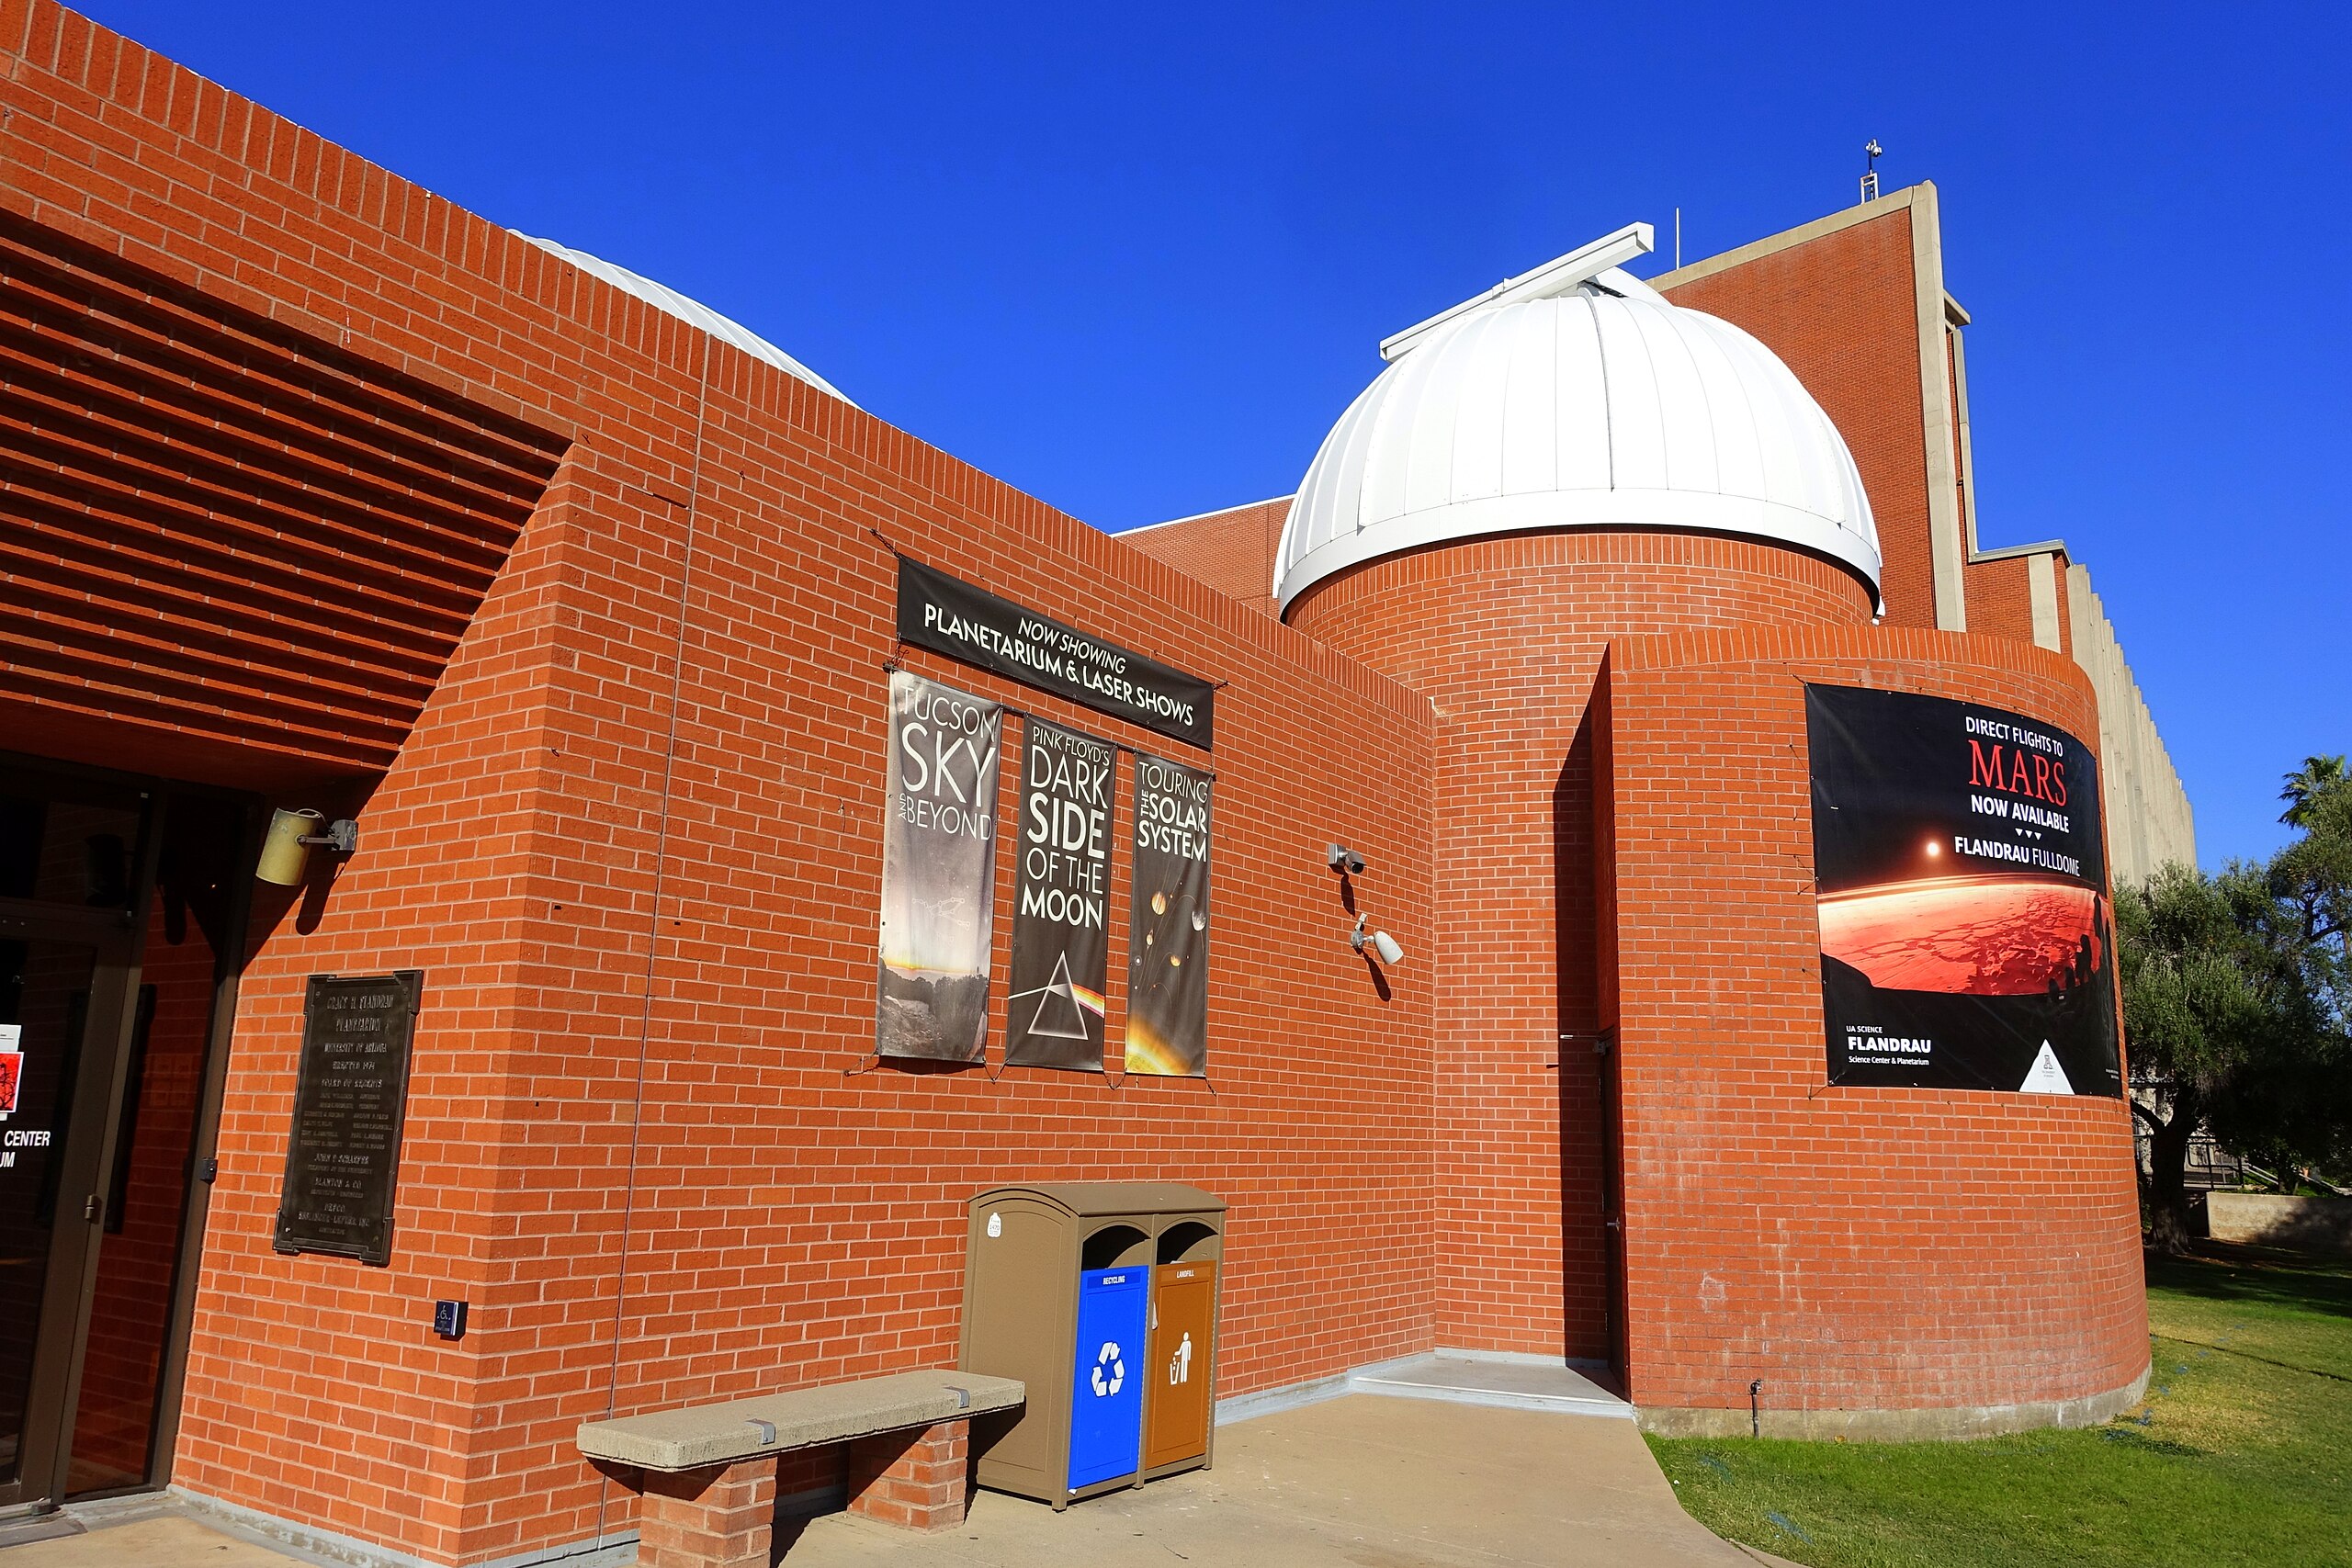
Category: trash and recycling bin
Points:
column 1101, row 1297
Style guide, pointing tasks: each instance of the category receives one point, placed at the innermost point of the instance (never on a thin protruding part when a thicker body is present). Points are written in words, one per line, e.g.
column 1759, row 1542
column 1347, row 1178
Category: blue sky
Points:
column 1135, row 259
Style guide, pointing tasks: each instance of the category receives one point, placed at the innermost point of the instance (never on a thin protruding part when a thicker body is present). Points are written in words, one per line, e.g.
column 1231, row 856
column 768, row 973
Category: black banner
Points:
column 1168, row 935
column 1961, row 886
column 938, row 871
column 1061, row 913
column 350, row 1105
column 951, row 616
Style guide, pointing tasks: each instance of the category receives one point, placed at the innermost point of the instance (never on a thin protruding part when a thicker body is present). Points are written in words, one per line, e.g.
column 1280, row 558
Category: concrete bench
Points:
column 708, row 1473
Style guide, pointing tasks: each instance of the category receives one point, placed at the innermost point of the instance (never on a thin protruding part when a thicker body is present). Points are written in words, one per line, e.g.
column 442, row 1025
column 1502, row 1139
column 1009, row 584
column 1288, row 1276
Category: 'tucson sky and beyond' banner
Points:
column 1960, row 880
column 1167, row 940
column 938, row 871
column 1061, row 913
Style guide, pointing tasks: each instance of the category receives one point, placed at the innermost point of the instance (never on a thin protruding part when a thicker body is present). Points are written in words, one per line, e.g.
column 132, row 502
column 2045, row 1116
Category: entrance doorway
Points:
column 118, row 905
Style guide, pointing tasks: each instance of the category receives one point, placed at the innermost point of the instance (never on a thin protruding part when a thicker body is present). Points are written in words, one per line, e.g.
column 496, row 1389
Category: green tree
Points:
column 2236, row 991
column 2208, row 1011
column 2310, row 882
column 2320, row 776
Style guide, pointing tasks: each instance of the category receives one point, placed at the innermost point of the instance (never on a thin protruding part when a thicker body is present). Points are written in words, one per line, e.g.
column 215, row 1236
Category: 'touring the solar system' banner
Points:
column 1061, row 912
column 1168, row 933
column 1965, row 937
column 938, row 871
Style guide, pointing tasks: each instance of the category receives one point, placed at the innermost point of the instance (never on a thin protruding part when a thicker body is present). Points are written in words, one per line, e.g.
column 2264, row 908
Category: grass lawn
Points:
column 2242, row 1453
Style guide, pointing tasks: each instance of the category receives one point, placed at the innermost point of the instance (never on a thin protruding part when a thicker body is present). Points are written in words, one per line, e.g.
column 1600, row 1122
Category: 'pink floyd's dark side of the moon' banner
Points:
column 1061, row 910
column 1168, row 933
column 1961, row 882
column 938, row 871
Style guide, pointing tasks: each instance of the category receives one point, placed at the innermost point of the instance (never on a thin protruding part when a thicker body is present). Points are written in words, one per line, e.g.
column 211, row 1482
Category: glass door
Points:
column 63, row 984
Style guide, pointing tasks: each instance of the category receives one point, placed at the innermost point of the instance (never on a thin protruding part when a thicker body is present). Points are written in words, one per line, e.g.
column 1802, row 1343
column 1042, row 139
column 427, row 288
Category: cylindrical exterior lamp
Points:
column 283, row 853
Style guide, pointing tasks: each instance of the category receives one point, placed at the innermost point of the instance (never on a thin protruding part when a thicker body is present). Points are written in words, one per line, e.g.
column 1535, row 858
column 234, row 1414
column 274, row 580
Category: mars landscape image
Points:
column 1987, row 936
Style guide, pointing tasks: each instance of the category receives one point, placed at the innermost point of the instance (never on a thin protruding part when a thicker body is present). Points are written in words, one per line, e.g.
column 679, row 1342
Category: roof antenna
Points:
column 1678, row 239
column 1870, row 170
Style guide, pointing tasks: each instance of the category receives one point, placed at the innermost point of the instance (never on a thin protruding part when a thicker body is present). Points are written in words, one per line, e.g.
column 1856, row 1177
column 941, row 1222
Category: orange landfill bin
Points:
column 1184, row 1384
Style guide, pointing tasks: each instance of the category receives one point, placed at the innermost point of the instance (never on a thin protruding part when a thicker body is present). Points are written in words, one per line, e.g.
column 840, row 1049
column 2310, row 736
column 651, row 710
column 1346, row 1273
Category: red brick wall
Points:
column 1505, row 637
column 1842, row 312
column 1232, row 551
column 633, row 842
column 1854, row 1247
column 2000, row 600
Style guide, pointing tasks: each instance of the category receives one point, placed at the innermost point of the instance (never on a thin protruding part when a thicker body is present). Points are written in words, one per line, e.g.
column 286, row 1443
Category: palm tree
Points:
column 2303, row 789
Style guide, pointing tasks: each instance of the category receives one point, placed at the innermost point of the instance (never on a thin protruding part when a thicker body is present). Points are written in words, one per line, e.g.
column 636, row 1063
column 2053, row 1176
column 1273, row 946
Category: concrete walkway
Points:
column 1368, row 1481
column 165, row 1540
column 1462, row 1377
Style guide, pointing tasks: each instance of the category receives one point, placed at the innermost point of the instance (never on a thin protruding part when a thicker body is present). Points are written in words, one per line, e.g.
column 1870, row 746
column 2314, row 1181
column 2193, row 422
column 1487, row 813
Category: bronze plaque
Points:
column 350, row 1100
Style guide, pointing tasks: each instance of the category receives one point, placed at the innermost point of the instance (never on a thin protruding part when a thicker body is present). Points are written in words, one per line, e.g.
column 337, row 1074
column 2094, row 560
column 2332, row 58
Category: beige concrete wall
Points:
column 2149, row 823
column 2299, row 1225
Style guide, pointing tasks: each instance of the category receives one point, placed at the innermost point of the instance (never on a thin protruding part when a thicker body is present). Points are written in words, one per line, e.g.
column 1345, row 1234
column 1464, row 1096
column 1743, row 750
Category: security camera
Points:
column 1339, row 857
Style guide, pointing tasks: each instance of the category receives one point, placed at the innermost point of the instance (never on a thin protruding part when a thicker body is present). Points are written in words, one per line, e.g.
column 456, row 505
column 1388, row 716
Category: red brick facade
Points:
column 1505, row 638
column 1841, row 310
column 628, row 829
column 633, row 842
column 1232, row 551
column 1888, row 1249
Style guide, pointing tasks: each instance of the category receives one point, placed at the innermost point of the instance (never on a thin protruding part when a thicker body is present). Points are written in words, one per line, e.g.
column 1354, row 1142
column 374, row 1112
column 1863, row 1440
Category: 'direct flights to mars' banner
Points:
column 1962, row 885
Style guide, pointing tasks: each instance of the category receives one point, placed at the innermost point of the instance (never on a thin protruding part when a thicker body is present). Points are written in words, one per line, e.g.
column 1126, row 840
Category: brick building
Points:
column 323, row 493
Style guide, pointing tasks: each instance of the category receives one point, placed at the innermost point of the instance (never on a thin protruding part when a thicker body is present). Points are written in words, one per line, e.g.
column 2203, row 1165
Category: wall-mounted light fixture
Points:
column 286, row 852
column 1343, row 860
column 1382, row 943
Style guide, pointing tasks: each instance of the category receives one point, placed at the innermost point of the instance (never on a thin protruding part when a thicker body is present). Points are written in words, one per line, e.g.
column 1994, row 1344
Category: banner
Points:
column 1168, row 938
column 951, row 616
column 1061, row 912
column 938, row 871
column 1961, row 886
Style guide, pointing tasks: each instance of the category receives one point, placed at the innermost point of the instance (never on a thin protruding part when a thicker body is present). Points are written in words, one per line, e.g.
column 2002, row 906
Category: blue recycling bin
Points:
column 1106, row 1393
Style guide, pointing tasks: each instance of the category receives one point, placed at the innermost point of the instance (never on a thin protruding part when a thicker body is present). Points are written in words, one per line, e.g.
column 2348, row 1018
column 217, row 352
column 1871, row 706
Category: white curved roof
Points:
column 1607, row 408
column 693, row 310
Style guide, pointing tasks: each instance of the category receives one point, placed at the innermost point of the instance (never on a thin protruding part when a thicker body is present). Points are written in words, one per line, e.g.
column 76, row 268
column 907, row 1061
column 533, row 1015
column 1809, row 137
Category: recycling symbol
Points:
column 1107, row 1383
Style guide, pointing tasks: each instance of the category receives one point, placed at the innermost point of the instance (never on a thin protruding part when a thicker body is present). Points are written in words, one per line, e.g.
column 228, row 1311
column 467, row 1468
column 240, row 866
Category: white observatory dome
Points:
column 663, row 298
column 1535, row 408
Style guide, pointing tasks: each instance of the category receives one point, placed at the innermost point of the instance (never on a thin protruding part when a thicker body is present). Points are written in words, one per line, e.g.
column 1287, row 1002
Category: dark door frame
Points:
column 202, row 1153
column 118, row 938
column 84, row 1152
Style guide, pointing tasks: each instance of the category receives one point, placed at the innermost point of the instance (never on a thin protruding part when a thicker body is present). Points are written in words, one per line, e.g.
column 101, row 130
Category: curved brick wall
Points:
column 1890, row 1262
column 1505, row 637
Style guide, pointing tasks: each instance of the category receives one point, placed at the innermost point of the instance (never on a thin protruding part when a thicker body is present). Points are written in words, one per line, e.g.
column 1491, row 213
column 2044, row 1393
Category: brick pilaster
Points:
column 721, row 1516
column 915, row 1480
